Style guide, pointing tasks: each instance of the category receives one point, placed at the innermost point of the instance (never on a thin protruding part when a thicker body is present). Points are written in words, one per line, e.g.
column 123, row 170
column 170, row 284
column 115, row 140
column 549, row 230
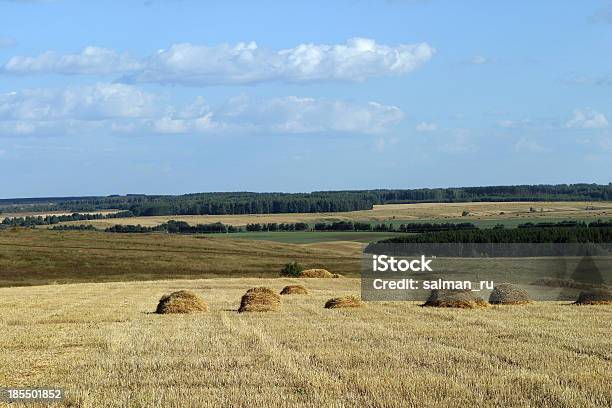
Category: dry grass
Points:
column 260, row 299
column 484, row 210
column 37, row 257
column 101, row 343
column 461, row 299
column 509, row 294
column 294, row 290
column 595, row 297
column 344, row 302
column 182, row 301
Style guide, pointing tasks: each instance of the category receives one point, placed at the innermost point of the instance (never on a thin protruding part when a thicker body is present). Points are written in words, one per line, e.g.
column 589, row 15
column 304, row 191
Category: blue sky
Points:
column 177, row 96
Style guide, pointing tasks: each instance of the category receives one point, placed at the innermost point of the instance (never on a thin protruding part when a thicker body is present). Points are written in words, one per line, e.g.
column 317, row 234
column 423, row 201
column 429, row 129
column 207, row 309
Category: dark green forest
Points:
column 319, row 201
column 560, row 234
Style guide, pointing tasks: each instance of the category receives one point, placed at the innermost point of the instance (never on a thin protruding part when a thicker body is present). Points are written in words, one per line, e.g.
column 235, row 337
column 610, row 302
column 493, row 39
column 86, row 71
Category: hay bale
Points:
column 595, row 297
column 316, row 273
column 344, row 301
column 260, row 299
column 182, row 301
column 509, row 294
column 294, row 290
column 462, row 299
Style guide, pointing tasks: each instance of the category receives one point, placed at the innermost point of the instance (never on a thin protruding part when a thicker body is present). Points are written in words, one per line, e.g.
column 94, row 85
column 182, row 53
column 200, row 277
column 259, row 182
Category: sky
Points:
column 181, row 96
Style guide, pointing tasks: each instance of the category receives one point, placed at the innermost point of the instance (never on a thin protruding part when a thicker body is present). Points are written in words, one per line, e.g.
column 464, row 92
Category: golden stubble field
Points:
column 382, row 213
column 104, row 346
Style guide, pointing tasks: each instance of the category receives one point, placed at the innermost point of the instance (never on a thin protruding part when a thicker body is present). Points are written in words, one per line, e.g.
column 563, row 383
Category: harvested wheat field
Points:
column 104, row 346
column 294, row 290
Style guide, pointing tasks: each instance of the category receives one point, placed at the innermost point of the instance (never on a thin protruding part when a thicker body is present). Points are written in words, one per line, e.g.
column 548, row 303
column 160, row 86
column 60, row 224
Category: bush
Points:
column 292, row 269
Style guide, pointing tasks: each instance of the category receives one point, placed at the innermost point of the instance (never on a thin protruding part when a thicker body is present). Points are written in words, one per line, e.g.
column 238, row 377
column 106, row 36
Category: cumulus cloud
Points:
column 91, row 60
column 290, row 114
column 242, row 63
column 426, row 127
column 96, row 102
column 587, row 119
column 124, row 108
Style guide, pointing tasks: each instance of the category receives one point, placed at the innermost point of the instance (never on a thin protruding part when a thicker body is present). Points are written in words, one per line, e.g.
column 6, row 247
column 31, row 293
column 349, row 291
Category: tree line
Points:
column 410, row 227
column 339, row 226
column 273, row 227
column 576, row 234
column 571, row 223
column 177, row 227
column 34, row 220
column 220, row 203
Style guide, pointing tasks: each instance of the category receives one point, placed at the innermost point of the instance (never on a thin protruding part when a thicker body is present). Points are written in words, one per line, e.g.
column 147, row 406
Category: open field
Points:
column 485, row 212
column 36, row 257
column 311, row 237
column 101, row 343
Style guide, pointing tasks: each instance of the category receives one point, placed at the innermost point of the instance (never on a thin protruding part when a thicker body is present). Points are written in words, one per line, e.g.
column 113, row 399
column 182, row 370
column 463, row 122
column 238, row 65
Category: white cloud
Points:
column 479, row 60
column 120, row 108
column 290, row 114
column 91, row 60
column 243, row 63
column 96, row 102
column 426, row 127
column 530, row 146
column 587, row 119
column 511, row 123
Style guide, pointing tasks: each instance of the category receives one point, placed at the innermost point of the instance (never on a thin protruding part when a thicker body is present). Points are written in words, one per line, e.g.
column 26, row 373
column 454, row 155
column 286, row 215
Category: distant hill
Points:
column 216, row 203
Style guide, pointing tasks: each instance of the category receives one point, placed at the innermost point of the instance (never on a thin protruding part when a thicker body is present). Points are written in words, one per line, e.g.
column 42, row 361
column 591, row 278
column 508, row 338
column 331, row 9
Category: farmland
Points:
column 102, row 344
column 35, row 257
column 480, row 213
column 76, row 313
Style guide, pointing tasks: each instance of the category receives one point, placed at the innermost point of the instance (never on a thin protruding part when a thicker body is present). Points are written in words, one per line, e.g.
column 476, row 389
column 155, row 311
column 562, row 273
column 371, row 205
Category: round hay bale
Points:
column 462, row 299
column 316, row 273
column 260, row 299
column 182, row 301
column 509, row 294
column 294, row 290
column 344, row 301
column 595, row 297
